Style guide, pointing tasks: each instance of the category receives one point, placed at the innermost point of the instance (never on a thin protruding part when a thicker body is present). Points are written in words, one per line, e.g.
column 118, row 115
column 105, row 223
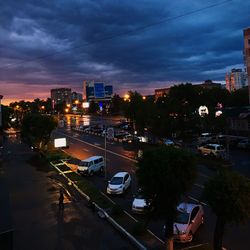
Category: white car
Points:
column 216, row 150
column 139, row 203
column 119, row 183
column 188, row 219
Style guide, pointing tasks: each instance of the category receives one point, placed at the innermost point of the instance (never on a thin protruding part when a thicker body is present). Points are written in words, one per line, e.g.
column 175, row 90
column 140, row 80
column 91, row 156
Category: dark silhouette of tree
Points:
column 165, row 174
column 228, row 194
column 37, row 128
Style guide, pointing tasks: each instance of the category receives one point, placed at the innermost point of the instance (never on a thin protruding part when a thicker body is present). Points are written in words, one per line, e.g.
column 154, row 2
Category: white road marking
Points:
column 203, row 175
column 108, row 198
column 199, row 185
column 68, row 171
column 109, row 151
column 194, row 246
column 128, row 214
column 97, row 144
column 156, row 236
column 192, row 198
column 85, row 149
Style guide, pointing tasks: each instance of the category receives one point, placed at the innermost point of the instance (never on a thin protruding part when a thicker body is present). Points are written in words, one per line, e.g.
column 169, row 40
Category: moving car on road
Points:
column 216, row 150
column 139, row 203
column 189, row 217
column 91, row 165
column 119, row 183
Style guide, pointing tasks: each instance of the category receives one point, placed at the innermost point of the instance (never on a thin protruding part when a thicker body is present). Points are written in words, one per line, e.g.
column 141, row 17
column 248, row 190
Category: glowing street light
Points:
column 144, row 98
column 66, row 110
column 76, row 102
column 126, row 97
column 68, row 105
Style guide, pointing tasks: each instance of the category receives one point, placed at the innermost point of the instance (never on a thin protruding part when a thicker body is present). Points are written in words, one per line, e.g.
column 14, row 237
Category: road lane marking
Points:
column 192, row 198
column 85, row 149
column 203, row 175
column 156, row 236
column 108, row 198
column 67, row 172
column 194, row 246
column 199, row 185
column 97, row 144
column 109, row 151
column 128, row 214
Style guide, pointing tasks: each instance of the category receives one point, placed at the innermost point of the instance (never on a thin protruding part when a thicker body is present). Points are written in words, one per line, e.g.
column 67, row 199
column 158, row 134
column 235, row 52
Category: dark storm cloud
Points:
column 64, row 42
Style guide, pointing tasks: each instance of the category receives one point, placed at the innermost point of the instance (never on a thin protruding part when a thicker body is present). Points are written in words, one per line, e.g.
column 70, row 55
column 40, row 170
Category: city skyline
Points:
column 139, row 46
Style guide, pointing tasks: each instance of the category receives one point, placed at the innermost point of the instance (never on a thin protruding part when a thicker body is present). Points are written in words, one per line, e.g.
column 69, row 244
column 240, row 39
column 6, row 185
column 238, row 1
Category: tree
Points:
column 165, row 174
column 93, row 107
column 37, row 128
column 228, row 194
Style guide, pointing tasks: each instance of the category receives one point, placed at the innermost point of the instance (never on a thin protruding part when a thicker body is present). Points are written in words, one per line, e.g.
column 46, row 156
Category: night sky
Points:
column 138, row 45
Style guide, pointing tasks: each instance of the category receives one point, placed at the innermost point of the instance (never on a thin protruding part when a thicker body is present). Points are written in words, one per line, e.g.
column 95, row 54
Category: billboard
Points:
column 99, row 90
column 60, row 143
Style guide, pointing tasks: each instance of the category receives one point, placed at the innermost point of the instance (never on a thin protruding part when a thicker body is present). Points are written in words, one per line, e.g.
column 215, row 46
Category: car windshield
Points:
column 84, row 164
column 182, row 217
column 116, row 180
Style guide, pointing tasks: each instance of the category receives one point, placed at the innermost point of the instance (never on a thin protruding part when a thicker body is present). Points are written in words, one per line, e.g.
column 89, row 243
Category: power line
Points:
column 136, row 30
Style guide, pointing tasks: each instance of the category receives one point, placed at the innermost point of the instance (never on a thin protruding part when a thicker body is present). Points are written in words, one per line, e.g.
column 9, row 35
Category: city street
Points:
column 37, row 221
column 118, row 159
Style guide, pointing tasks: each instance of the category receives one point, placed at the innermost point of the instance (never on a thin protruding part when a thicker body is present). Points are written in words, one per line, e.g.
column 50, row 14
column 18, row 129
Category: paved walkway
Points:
column 37, row 223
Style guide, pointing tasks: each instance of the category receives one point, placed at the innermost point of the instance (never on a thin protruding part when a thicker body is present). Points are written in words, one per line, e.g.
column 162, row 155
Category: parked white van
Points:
column 91, row 165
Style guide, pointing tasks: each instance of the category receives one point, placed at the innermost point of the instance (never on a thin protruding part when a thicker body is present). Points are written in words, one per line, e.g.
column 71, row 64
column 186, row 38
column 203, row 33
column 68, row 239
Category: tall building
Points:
column 60, row 95
column 76, row 96
column 247, row 56
column 236, row 79
column 97, row 91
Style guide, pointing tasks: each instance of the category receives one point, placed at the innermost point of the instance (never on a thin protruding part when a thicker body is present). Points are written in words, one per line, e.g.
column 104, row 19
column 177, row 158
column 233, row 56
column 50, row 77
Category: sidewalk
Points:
column 37, row 223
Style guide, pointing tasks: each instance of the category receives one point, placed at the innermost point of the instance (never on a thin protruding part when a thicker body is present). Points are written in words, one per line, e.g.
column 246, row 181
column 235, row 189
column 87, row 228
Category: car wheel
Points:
column 101, row 169
column 123, row 190
column 91, row 173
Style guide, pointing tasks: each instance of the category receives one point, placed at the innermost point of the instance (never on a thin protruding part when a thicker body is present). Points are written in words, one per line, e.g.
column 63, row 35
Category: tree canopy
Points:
column 228, row 194
column 37, row 128
column 165, row 174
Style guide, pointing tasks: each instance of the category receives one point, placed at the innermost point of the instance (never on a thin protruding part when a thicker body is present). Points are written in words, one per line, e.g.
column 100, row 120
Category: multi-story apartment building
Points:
column 236, row 79
column 61, row 95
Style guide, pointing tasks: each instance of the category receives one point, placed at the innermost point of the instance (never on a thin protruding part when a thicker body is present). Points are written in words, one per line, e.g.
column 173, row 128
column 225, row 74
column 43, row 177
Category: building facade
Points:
column 97, row 91
column 161, row 92
column 76, row 97
column 236, row 79
column 247, row 57
column 61, row 95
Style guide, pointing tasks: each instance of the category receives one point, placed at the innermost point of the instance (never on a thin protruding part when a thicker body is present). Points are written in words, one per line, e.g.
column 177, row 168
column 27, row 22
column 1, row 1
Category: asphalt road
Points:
column 119, row 159
column 37, row 222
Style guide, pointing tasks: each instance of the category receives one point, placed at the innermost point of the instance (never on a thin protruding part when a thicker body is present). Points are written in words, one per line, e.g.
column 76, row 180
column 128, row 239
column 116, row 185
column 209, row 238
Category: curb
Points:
column 109, row 218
